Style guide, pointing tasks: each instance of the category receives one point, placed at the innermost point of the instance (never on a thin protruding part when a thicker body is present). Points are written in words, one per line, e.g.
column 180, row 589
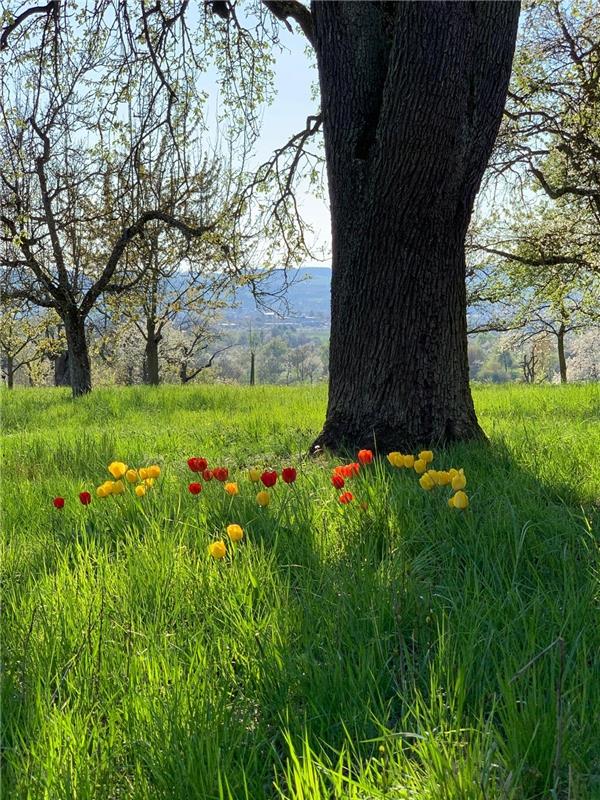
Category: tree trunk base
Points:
column 343, row 436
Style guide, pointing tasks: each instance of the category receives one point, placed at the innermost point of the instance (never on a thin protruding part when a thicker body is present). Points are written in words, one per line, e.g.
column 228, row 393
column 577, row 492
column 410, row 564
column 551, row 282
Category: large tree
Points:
column 412, row 97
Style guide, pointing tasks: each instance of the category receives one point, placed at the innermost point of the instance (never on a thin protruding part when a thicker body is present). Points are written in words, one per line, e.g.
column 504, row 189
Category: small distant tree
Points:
column 541, row 275
column 25, row 339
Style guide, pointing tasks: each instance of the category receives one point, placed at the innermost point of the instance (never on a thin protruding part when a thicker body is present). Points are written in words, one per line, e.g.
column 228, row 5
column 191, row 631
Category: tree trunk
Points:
column 78, row 356
column 252, row 378
column 62, row 376
column 152, row 372
column 562, row 362
column 9, row 371
column 412, row 98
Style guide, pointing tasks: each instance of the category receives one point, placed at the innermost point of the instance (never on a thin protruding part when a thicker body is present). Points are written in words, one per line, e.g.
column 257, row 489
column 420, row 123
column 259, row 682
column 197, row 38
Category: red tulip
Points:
column 346, row 497
column 338, row 481
column 85, row 498
column 195, row 488
column 288, row 474
column 207, row 474
column 58, row 502
column 221, row 473
column 354, row 468
column 269, row 478
column 365, row 456
column 197, row 464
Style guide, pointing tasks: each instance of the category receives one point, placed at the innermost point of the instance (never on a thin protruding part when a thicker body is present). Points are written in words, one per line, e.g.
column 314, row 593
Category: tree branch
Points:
column 282, row 9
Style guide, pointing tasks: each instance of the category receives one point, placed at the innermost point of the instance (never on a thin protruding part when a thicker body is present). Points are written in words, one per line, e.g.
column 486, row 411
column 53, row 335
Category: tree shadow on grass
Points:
column 431, row 621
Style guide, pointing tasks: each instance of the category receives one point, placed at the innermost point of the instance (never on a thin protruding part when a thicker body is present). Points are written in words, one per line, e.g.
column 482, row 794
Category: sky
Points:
column 286, row 116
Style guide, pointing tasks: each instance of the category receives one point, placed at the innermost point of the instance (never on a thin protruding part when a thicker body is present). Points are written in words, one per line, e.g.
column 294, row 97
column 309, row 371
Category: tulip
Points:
column 85, row 498
column 217, row 549
column 409, row 461
column 338, row 481
column 396, row 459
column 443, row 478
column 347, row 497
column 254, row 474
column 231, row 489
column 118, row 487
column 143, row 473
column 365, row 456
column 221, row 473
column 288, row 474
column 426, row 482
column 149, row 482
column 459, row 482
column 117, row 469
column 58, row 502
column 102, row 491
column 420, row 466
column 154, row 471
column 460, row 500
column 140, row 490
column 197, row 464
column 263, row 499
column 426, row 456
column 235, row 532
column 132, row 476
column 195, row 488
column 207, row 474
column 269, row 478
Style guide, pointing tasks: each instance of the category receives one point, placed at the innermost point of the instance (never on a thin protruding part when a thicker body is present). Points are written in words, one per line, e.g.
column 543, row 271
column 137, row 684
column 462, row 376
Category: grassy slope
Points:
column 342, row 653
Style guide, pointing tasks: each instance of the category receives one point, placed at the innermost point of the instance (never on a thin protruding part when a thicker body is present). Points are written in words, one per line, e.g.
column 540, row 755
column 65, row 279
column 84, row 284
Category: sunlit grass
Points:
column 410, row 651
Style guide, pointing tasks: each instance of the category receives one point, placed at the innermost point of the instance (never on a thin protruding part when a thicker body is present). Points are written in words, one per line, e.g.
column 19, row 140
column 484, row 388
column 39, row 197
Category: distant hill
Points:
column 308, row 295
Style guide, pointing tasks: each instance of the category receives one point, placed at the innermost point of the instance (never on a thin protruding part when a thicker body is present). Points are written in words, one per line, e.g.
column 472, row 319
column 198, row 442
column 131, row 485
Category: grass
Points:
column 409, row 651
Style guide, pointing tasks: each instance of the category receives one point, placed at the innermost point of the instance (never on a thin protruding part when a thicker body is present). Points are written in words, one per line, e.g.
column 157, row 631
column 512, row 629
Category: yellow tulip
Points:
column 263, row 499
column 131, row 475
column 108, row 487
column 254, row 474
column 217, row 549
column 459, row 482
column 426, row 482
column 460, row 500
column 117, row 469
column 149, row 482
column 235, row 532
column 118, row 487
column 443, row 478
column 396, row 459
column 426, row 456
column 420, row 466
column 451, row 502
column 102, row 491
column 154, row 471
column 140, row 490
column 231, row 488
column 409, row 461
column 452, row 472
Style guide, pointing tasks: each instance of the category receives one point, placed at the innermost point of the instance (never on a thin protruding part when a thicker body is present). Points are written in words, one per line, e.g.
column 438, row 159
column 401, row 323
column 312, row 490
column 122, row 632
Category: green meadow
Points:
column 409, row 650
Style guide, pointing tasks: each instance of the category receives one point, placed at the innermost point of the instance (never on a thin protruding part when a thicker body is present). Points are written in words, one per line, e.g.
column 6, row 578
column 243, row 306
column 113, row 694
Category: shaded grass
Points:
column 341, row 653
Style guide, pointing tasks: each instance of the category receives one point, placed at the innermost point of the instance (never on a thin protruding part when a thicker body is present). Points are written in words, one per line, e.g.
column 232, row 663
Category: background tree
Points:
column 70, row 206
column 541, row 275
column 25, row 339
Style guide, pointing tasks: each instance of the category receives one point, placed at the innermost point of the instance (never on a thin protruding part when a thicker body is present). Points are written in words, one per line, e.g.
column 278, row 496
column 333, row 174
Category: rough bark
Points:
column 151, row 365
column 78, row 355
column 412, row 97
column 62, row 376
column 562, row 361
